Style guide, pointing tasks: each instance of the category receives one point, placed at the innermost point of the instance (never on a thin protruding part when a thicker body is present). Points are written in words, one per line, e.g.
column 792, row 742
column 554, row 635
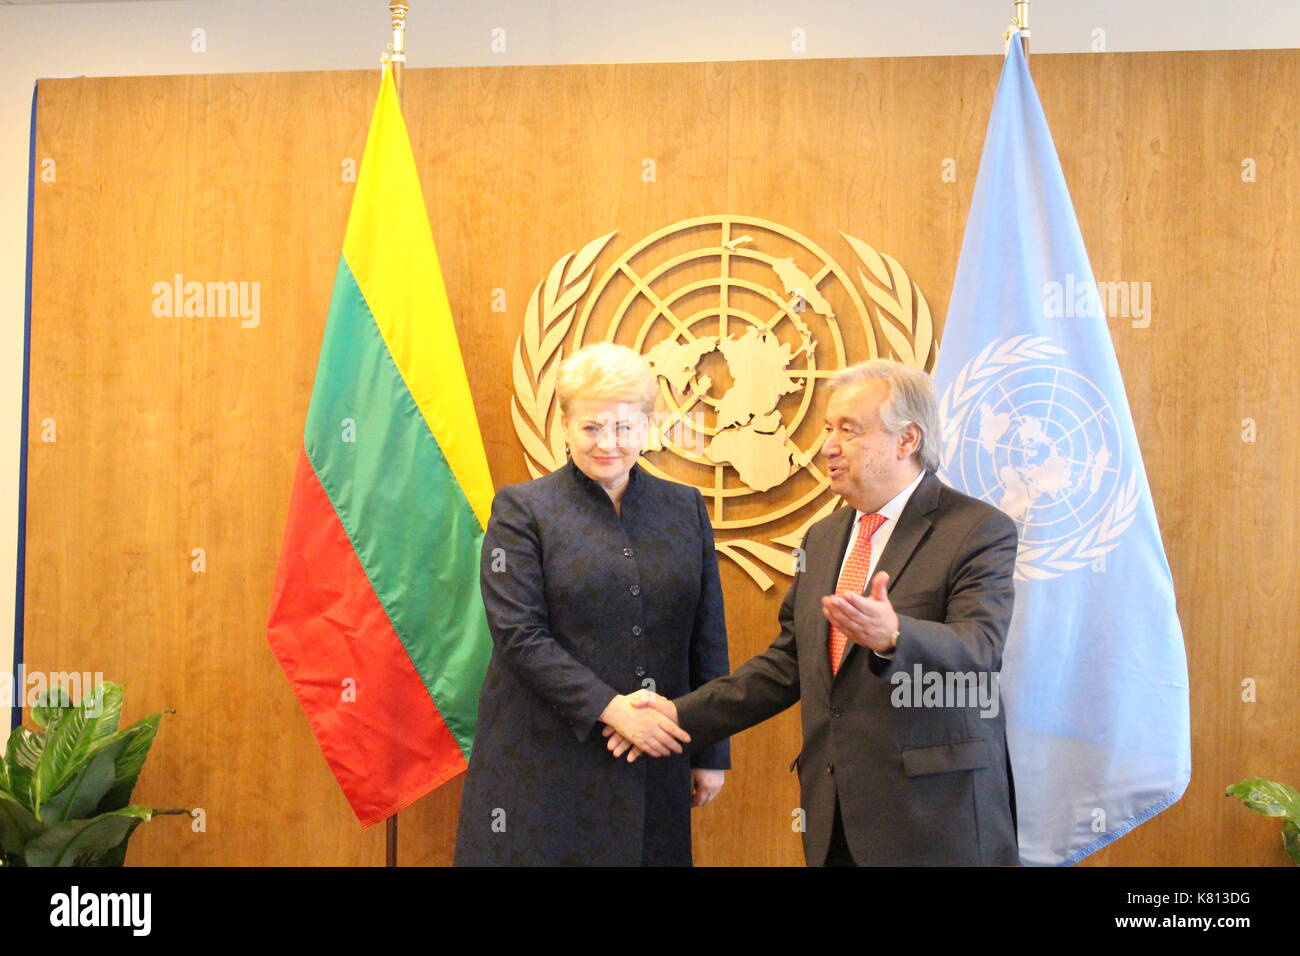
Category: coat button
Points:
column 835, row 711
column 636, row 630
column 830, row 768
column 640, row 672
column 635, row 589
column 627, row 552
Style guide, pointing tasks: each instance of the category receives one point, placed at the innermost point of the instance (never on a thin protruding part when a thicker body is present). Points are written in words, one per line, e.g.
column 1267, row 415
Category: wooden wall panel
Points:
column 176, row 433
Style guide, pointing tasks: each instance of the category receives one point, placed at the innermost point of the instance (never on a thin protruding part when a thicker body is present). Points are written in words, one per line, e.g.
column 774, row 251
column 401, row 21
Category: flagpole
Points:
column 397, row 59
column 1021, row 22
column 397, row 49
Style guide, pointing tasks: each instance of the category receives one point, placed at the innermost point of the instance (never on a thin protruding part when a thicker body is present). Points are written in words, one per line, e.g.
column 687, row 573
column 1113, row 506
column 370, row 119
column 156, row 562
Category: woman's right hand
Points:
column 646, row 728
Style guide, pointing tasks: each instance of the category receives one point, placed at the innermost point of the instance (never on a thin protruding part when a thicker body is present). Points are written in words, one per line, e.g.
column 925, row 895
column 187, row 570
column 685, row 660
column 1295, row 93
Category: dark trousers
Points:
column 839, row 854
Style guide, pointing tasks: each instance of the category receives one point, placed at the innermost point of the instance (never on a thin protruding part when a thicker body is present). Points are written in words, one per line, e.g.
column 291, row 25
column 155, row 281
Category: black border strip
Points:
column 16, row 716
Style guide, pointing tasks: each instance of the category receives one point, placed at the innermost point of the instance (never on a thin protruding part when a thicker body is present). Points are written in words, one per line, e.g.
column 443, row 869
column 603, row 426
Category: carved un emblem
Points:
column 741, row 319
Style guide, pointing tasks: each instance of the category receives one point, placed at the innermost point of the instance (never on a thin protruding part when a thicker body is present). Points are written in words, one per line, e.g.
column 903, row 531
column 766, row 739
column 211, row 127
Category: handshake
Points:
column 643, row 722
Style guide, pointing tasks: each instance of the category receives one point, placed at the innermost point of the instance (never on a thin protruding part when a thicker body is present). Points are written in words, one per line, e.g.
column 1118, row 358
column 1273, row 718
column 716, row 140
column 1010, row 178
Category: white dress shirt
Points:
column 891, row 511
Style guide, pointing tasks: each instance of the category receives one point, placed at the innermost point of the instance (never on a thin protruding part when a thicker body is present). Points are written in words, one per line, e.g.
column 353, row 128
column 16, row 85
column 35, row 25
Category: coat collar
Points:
column 636, row 482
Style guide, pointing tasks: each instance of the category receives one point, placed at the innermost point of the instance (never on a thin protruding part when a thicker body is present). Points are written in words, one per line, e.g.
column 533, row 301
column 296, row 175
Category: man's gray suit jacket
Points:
column 917, row 785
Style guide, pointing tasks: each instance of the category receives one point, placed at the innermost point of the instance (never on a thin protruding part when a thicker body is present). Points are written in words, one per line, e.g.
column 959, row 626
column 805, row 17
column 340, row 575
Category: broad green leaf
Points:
column 17, row 825
column 50, row 706
column 1268, row 797
column 22, row 756
column 55, row 705
column 71, row 741
column 80, row 797
column 111, row 706
column 64, row 788
column 1291, row 841
column 62, row 844
column 131, row 762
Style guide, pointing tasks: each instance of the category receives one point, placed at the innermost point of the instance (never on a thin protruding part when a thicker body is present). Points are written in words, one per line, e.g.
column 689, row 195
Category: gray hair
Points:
column 910, row 401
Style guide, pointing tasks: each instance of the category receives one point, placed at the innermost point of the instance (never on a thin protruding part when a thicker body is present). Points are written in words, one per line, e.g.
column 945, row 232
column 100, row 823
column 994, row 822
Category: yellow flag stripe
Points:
column 389, row 249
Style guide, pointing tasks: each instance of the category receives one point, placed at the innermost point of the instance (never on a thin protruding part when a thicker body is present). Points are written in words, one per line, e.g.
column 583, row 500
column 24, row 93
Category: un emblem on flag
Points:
column 740, row 319
column 1027, row 433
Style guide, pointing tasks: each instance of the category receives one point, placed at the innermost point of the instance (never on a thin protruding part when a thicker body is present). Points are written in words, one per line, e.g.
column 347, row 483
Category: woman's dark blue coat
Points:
column 584, row 604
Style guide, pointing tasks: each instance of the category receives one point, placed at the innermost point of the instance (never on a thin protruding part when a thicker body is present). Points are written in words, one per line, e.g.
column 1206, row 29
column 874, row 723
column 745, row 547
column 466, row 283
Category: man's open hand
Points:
column 869, row 619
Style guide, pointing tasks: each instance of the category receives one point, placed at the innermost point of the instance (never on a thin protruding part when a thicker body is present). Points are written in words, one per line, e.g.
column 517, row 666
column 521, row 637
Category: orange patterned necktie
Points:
column 853, row 579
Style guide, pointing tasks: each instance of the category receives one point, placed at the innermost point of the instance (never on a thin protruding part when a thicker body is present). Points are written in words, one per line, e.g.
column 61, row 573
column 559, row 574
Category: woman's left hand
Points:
column 705, row 785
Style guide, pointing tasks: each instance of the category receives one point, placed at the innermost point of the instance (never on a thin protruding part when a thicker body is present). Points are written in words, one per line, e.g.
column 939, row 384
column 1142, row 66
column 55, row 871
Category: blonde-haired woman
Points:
column 600, row 580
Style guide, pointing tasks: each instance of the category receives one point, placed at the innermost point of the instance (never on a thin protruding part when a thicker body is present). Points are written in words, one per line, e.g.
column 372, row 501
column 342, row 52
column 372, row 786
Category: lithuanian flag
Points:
column 376, row 616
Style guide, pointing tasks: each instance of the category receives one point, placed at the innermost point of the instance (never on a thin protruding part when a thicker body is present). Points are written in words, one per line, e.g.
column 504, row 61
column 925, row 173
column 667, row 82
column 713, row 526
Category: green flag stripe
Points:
column 399, row 502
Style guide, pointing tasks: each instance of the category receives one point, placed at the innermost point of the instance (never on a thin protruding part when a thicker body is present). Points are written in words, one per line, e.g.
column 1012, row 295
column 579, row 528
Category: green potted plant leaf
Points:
column 65, row 788
column 1273, row 800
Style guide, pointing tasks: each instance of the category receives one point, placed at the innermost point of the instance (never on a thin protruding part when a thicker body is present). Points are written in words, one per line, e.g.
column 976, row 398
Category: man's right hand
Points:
column 619, row 743
column 645, row 722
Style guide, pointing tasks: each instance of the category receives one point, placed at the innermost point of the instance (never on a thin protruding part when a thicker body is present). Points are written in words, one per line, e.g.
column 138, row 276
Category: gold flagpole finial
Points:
column 1019, row 23
column 397, row 48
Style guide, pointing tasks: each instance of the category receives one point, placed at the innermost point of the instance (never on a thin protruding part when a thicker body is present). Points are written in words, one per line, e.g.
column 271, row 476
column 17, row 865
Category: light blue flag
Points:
column 1036, row 422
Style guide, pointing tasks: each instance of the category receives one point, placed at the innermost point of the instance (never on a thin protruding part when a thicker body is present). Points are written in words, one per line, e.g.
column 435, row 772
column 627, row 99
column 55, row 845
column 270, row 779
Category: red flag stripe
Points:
column 342, row 644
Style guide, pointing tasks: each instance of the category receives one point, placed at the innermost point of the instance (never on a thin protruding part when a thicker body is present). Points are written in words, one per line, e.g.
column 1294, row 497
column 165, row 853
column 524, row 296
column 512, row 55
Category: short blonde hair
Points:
column 604, row 371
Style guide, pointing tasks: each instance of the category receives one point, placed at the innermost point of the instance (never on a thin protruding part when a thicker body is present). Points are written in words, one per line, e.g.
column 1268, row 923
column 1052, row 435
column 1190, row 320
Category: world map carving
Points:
column 721, row 308
column 751, row 436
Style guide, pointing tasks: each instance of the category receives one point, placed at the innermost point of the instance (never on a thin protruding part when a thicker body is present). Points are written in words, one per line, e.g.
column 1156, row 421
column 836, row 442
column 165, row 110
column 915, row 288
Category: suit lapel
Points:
column 913, row 524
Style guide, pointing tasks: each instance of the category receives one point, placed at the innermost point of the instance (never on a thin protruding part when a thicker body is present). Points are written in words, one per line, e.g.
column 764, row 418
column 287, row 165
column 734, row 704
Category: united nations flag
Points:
column 1036, row 421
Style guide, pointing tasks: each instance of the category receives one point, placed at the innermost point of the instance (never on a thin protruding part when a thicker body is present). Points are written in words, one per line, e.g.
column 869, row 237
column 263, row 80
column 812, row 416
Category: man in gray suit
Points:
column 904, row 758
